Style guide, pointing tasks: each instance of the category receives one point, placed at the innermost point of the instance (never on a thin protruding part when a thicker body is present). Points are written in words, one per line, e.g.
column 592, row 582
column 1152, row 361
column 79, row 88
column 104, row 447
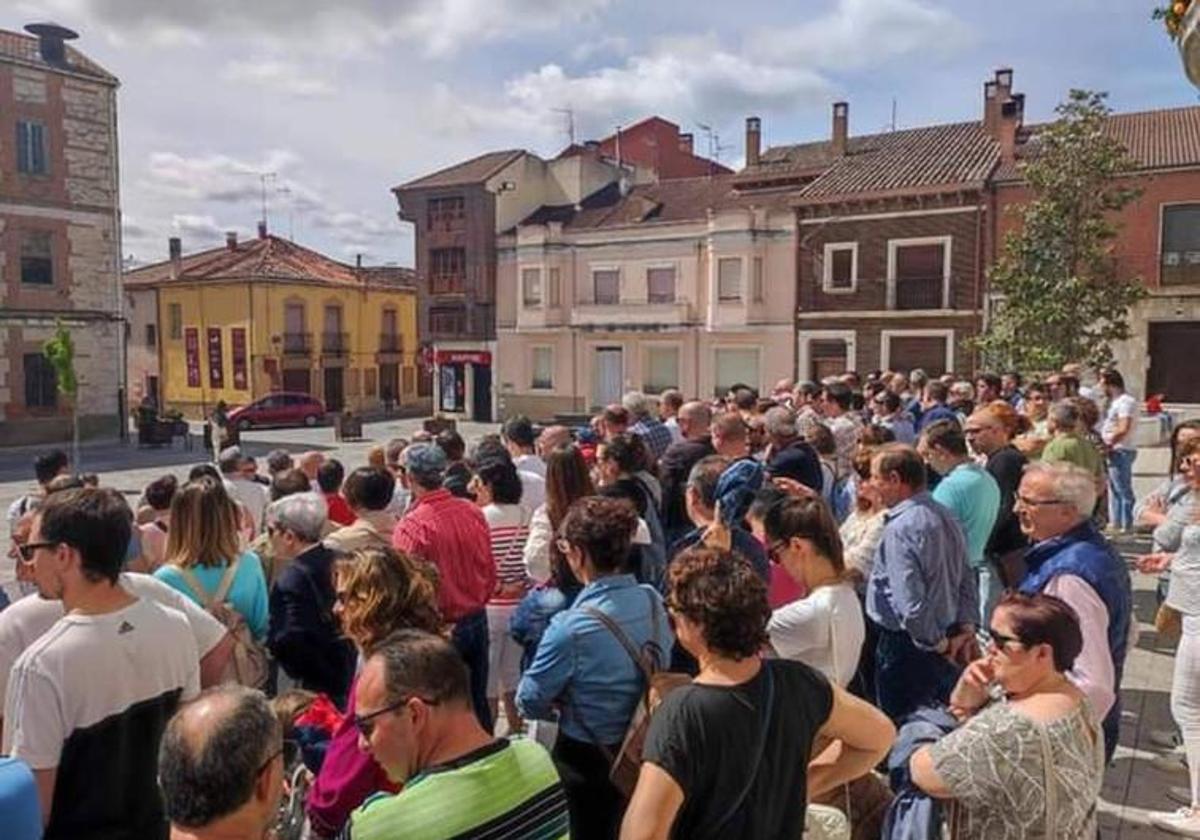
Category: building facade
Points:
column 679, row 284
column 60, row 242
column 238, row 322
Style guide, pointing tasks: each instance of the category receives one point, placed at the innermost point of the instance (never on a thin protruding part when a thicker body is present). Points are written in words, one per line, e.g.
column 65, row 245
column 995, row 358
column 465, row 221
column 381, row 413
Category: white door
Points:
column 607, row 376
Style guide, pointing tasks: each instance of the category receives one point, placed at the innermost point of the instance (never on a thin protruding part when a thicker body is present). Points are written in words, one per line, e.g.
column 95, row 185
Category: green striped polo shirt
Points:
column 507, row 789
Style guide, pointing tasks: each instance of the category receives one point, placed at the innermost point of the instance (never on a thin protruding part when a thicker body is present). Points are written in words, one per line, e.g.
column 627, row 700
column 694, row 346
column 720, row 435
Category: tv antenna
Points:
column 569, row 113
column 715, row 149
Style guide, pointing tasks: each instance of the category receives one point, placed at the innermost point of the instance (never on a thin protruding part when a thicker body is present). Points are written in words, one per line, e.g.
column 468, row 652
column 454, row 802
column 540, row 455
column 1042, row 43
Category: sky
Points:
column 337, row 102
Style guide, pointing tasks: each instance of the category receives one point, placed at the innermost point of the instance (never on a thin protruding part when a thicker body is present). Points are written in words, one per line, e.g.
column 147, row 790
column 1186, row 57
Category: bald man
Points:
column 309, row 463
column 551, row 438
column 220, row 766
column 677, row 462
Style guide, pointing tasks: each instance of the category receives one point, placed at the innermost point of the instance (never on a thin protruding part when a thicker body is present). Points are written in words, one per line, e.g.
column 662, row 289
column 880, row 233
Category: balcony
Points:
column 391, row 343
column 335, row 343
column 539, row 316
column 920, row 293
column 297, row 344
column 635, row 314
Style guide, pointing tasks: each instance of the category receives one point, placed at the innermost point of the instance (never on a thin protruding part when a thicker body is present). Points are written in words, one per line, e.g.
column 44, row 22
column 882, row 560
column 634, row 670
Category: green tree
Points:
column 60, row 352
column 1063, row 298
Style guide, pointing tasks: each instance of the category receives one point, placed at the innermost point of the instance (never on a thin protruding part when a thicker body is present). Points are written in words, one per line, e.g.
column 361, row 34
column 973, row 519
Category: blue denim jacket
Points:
column 582, row 668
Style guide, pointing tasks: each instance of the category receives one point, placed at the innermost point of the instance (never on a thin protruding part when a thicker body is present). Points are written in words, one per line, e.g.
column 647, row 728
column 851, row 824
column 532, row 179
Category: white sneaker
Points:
column 1167, row 739
column 1184, row 822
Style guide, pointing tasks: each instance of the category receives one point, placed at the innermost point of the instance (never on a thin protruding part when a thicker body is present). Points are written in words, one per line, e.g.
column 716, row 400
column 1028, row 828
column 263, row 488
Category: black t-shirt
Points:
column 1006, row 466
column 706, row 738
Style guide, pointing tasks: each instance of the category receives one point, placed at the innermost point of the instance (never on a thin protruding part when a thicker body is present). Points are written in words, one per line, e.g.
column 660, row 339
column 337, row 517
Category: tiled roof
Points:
column 271, row 258
column 1154, row 140
column 473, row 171
column 25, row 48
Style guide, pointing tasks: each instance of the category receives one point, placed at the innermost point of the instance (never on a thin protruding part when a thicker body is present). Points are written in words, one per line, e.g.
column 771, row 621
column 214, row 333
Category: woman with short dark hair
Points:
column 1042, row 733
column 728, row 755
column 567, row 481
column 584, row 667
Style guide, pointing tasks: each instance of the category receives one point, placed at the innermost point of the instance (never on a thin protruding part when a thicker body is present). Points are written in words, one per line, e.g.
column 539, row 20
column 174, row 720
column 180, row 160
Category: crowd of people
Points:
column 687, row 618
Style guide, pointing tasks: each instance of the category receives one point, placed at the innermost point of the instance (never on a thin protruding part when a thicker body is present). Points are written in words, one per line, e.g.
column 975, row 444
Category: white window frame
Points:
column 592, row 269
column 804, row 351
column 525, row 302
column 885, row 344
column 533, row 351
column 717, row 279
column 758, row 351
column 644, row 361
column 827, row 268
column 653, row 266
column 947, row 243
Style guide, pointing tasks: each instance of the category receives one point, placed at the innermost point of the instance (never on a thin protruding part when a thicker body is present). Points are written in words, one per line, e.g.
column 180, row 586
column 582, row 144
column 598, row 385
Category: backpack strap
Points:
column 193, row 583
column 226, row 582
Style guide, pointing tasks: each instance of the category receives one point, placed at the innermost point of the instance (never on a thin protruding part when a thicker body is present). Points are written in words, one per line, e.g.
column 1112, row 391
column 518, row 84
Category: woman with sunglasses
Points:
column 1028, row 759
column 825, row 628
column 583, row 666
column 377, row 591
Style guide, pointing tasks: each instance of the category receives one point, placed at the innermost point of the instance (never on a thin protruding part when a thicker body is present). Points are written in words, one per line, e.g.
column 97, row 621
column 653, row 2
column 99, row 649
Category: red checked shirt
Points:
column 452, row 534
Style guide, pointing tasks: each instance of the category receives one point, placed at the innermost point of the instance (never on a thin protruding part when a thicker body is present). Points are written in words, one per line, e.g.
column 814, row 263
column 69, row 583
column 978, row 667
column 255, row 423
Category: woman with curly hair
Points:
column 377, row 592
column 728, row 755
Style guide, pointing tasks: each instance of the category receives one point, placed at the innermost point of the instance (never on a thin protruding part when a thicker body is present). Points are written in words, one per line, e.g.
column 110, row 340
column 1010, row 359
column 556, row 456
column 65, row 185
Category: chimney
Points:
column 841, row 128
column 685, row 143
column 262, row 229
column 753, row 140
column 991, row 110
column 1012, row 114
column 358, row 261
column 231, row 240
column 175, row 251
column 51, row 38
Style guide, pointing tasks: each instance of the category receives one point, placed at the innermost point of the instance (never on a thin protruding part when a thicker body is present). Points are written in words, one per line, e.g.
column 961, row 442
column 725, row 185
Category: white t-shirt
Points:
column 824, row 631
column 24, row 621
column 533, row 489
column 254, row 497
column 1122, row 406
column 530, row 463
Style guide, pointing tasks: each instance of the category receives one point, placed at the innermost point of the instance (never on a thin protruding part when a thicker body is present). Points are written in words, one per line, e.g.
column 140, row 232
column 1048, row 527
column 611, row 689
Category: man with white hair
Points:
column 304, row 637
column 1071, row 560
column 649, row 428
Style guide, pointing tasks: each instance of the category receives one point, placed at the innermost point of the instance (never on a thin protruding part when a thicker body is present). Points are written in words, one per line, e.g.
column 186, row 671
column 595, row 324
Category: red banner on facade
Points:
column 464, row 357
column 191, row 344
column 237, row 337
column 216, row 366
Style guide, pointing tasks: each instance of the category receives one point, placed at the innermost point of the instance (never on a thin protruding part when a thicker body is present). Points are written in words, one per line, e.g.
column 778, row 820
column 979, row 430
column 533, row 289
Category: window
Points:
column 175, row 317
column 736, row 366
column 151, row 335
column 555, row 288
column 660, row 285
column 447, row 270
column 37, row 259
column 729, row 278
column 662, row 369
column 840, row 267
column 408, row 378
column 446, row 213
column 918, row 271
column 543, row 368
column 31, row 148
column 606, row 286
column 369, row 382
column 1181, row 245
column 928, row 352
column 41, row 385
column 757, row 281
column 531, row 286
column 446, row 320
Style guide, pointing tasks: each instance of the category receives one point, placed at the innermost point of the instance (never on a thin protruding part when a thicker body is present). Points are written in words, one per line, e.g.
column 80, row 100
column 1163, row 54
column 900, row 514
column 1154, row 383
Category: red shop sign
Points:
column 464, row 357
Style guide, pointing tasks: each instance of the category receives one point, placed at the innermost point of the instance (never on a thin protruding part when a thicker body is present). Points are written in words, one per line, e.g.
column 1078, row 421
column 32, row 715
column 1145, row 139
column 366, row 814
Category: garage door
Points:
column 927, row 352
column 1174, row 348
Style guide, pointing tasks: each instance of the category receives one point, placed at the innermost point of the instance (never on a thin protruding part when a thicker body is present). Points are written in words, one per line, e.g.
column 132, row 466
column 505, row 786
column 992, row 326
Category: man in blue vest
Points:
column 1071, row 560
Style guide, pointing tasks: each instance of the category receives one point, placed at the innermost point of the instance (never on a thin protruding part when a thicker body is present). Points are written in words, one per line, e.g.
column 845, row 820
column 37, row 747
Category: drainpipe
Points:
column 122, row 351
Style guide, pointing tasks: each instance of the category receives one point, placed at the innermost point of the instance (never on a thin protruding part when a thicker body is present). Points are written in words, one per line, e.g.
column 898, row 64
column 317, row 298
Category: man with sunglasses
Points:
column 87, row 702
column 1071, row 560
column 221, row 766
column 414, row 715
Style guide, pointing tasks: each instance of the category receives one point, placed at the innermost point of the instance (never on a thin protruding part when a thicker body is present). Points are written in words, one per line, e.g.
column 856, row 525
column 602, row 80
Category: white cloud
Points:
column 282, row 76
column 215, row 177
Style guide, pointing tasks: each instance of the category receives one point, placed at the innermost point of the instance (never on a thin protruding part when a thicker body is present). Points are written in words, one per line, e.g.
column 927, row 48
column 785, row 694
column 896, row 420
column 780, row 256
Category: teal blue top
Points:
column 247, row 595
column 973, row 496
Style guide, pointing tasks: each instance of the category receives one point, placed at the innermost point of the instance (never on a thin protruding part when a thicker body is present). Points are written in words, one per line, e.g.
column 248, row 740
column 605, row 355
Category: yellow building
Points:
column 252, row 318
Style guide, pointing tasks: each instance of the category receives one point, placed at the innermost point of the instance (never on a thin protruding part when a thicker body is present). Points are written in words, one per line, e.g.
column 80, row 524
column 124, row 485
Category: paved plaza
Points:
column 1135, row 784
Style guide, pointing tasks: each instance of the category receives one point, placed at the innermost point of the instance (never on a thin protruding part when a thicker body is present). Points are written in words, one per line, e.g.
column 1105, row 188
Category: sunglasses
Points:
column 365, row 724
column 27, row 550
column 1000, row 639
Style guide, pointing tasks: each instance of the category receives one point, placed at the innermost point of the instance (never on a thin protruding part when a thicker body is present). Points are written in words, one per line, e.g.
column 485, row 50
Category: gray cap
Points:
column 425, row 460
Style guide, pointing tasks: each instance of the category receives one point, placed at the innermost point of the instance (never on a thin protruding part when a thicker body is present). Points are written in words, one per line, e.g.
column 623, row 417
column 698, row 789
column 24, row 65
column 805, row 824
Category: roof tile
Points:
column 25, row 48
column 471, row 171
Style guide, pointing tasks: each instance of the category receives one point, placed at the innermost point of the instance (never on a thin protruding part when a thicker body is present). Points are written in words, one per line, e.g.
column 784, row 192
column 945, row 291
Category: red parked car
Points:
column 280, row 409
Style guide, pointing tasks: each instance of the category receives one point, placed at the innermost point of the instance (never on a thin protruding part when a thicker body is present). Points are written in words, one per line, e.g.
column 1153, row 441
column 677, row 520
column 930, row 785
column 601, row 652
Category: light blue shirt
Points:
column 582, row 667
column 247, row 595
column 973, row 496
column 920, row 582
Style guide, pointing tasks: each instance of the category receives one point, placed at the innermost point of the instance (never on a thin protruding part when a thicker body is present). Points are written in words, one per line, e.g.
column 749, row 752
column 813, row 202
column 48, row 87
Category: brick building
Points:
column 60, row 240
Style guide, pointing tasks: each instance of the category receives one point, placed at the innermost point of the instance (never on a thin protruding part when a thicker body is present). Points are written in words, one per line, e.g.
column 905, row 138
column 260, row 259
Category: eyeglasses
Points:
column 28, row 549
column 971, row 431
column 365, row 724
column 1000, row 639
column 1025, row 501
column 774, row 549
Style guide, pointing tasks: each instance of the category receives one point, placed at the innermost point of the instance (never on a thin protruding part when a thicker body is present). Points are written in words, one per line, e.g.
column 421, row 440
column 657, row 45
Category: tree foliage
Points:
column 1063, row 297
column 60, row 352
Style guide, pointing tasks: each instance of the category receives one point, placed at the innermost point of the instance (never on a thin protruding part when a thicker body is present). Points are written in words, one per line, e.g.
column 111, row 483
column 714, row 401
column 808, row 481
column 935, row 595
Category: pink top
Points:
column 1093, row 673
column 783, row 588
column 154, row 545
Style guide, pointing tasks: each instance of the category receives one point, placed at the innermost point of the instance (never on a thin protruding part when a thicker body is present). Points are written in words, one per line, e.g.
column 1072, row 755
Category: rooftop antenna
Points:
column 893, row 113
column 569, row 113
column 714, row 146
column 263, row 177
